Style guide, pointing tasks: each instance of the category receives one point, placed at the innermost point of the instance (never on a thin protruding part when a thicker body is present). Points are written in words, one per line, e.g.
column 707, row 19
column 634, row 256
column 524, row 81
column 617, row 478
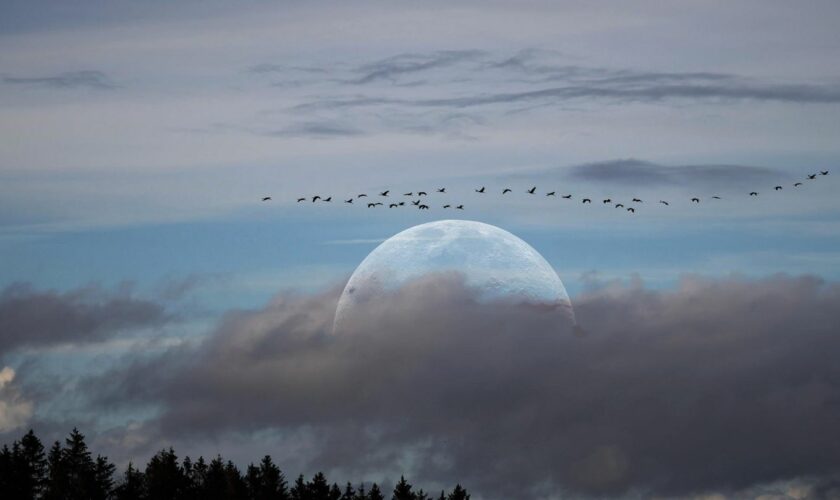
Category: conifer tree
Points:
column 318, row 487
column 164, row 477
column 335, row 492
column 458, row 493
column 402, row 491
column 132, row 486
column 300, row 491
column 375, row 493
column 349, row 492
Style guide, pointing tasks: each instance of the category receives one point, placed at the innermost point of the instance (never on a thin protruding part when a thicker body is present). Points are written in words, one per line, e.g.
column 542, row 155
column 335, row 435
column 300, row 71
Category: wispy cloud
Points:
column 69, row 80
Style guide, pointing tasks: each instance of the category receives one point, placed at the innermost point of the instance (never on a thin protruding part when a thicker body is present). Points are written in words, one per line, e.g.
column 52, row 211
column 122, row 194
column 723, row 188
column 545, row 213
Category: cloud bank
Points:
column 716, row 386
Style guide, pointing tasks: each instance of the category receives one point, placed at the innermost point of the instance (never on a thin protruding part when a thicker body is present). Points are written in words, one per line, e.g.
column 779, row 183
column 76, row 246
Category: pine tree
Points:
column 361, row 494
column 442, row 495
column 300, row 491
column 57, row 475
column 335, row 492
column 79, row 468
column 318, row 488
column 235, row 488
column 274, row 486
column 375, row 493
column 458, row 493
column 402, row 491
column 164, row 477
column 349, row 492
column 215, row 482
column 103, row 479
column 31, row 465
column 421, row 495
column 132, row 486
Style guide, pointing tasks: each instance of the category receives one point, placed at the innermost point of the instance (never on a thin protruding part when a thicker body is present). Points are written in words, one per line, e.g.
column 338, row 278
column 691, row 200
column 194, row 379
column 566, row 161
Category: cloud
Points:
column 32, row 318
column 70, row 80
column 402, row 64
column 715, row 386
column 316, row 130
column 15, row 411
column 643, row 173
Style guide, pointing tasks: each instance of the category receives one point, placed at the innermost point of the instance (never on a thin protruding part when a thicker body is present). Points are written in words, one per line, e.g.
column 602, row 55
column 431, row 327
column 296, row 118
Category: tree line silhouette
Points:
column 70, row 472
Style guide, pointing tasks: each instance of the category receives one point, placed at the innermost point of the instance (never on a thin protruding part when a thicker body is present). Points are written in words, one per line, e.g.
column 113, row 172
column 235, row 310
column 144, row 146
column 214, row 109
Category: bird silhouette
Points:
column 384, row 193
column 552, row 193
column 631, row 210
column 408, row 194
column 532, row 190
column 636, row 200
column 363, row 195
column 607, row 201
column 315, row 198
column 586, row 200
column 663, row 202
column 402, row 203
column 797, row 184
column 812, row 176
column 441, row 190
column 447, row 206
column 778, row 188
column 328, row 199
column 696, row 200
column 423, row 207
column 421, row 193
column 349, row 201
column 753, row 193
column 393, row 205
column 619, row 205
column 715, row 197
column 266, row 198
column 567, row 196
column 459, row 207
column 301, row 199
column 506, row 190
column 371, row 205
column 415, row 203
column 824, row 172
column 480, row 190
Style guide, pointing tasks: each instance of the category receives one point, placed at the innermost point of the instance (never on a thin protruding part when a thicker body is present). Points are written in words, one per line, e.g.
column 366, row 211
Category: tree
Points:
column 361, row 494
column 402, row 491
column 349, row 492
column 103, row 479
column 375, row 493
column 235, row 488
column 318, row 488
column 421, row 495
column 132, row 486
column 215, row 482
column 458, row 493
column 30, row 465
column 300, row 491
column 57, row 476
column 335, row 492
column 164, row 477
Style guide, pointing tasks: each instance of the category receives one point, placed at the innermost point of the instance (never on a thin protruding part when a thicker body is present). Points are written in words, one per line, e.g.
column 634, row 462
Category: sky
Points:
column 137, row 140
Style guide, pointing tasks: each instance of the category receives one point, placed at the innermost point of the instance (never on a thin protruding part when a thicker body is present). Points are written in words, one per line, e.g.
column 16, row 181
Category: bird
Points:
column 349, row 201
column 328, row 198
column 301, row 199
column 552, row 193
column 619, row 205
column 631, row 210
column 778, row 188
column 408, row 194
column 447, row 206
column 415, row 203
column 460, row 207
column 506, row 190
column 797, row 184
column 567, row 196
column 363, row 195
column 715, row 197
column 636, row 200
column 532, row 190
column 266, row 198
column 421, row 193
column 441, row 190
column 663, row 202
column 371, row 205
column 586, row 200
column 480, row 190
column 812, row 176
column 824, row 172
column 402, row 203
column 696, row 200
column 393, row 205
column 423, row 207
column 316, row 197
column 753, row 193
column 384, row 193
column 607, row 201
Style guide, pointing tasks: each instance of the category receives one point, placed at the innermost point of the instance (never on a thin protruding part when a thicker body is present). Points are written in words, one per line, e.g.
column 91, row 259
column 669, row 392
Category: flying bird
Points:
column 384, row 193
column 550, row 194
column 715, row 197
column 696, row 200
column 441, row 190
column 778, row 188
column 363, row 195
column 408, row 194
column 619, row 205
column 753, row 193
column 328, row 199
column 301, row 199
column 480, row 190
column 797, row 184
column 447, row 206
column 266, row 198
column 812, row 176
column 402, row 203
column 824, row 172
column 423, row 207
column 460, row 207
column 607, row 201
column 393, row 205
column 415, row 203
column 506, row 190
column 371, row 205
column 316, row 197
column 586, row 200
column 663, row 202
column 349, row 201
column 636, row 200
column 567, row 196
column 421, row 193
column 631, row 210
column 532, row 190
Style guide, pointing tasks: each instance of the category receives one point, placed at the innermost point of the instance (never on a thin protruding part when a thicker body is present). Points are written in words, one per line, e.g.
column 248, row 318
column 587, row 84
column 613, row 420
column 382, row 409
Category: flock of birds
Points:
column 420, row 205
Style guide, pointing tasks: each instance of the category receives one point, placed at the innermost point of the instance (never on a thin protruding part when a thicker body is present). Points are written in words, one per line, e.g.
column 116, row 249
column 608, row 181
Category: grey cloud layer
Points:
column 73, row 79
column 32, row 318
column 714, row 386
column 641, row 173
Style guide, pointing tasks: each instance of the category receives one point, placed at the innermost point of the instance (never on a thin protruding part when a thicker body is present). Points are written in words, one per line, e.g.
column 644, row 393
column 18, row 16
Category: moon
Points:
column 495, row 264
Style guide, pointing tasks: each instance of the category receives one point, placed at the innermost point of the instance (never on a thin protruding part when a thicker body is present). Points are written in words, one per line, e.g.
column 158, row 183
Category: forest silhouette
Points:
column 71, row 472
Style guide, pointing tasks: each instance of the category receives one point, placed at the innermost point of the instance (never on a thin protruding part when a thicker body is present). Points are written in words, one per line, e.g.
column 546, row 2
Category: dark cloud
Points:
column 69, row 80
column 402, row 64
column 717, row 385
column 33, row 318
column 321, row 129
column 642, row 173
